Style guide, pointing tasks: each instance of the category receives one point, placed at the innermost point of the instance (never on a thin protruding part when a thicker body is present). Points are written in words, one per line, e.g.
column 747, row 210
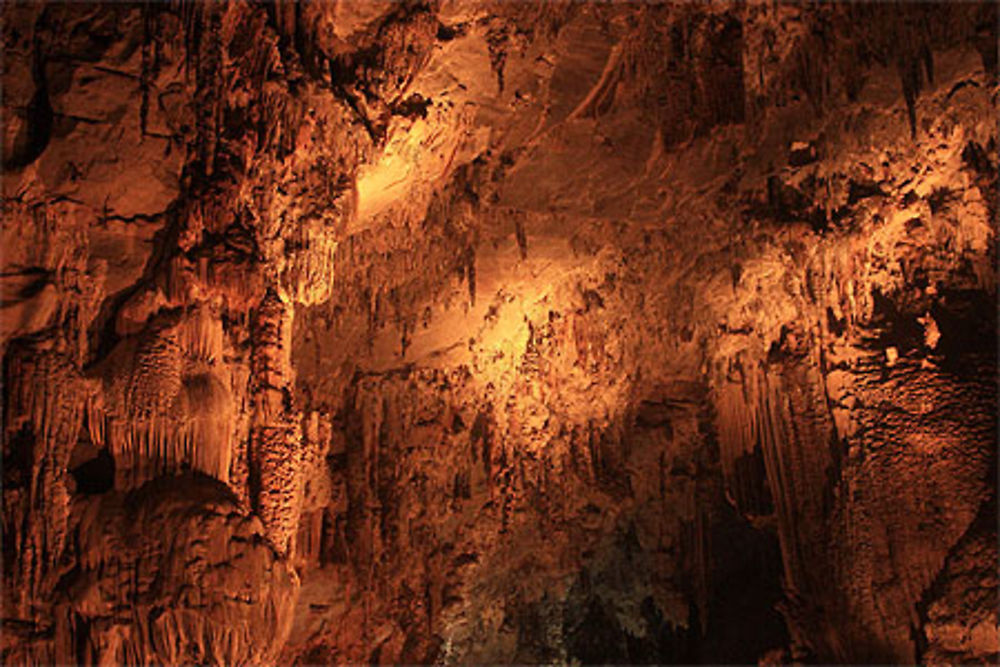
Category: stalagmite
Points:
column 276, row 440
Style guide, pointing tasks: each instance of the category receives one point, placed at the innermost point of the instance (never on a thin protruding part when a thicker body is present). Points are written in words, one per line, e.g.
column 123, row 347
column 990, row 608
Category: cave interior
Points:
column 499, row 332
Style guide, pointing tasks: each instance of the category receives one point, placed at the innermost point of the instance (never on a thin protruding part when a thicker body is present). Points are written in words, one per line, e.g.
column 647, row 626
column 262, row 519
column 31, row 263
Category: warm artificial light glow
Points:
column 479, row 332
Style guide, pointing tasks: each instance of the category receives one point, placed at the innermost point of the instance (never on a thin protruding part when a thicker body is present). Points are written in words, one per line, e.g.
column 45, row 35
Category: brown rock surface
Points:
column 499, row 332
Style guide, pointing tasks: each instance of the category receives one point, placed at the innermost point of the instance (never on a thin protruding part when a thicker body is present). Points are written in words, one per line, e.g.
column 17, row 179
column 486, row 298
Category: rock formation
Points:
column 474, row 331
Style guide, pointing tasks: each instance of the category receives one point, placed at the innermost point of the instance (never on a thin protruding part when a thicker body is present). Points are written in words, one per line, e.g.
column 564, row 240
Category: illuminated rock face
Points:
column 499, row 332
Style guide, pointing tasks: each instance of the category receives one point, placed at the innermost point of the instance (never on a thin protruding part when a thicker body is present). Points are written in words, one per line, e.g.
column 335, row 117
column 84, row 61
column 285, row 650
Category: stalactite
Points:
column 522, row 238
column 470, row 273
column 771, row 429
column 737, row 405
column 211, row 196
column 201, row 336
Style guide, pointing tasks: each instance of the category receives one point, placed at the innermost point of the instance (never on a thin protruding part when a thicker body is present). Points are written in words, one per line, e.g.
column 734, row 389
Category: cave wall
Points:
column 499, row 332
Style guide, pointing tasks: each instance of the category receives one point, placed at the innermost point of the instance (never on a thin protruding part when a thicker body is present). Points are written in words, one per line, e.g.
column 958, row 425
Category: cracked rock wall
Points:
column 469, row 331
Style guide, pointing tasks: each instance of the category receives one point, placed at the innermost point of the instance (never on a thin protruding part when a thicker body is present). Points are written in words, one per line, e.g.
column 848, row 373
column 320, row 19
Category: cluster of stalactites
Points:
column 742, row 419
column 760, row 417
column 166, row 404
